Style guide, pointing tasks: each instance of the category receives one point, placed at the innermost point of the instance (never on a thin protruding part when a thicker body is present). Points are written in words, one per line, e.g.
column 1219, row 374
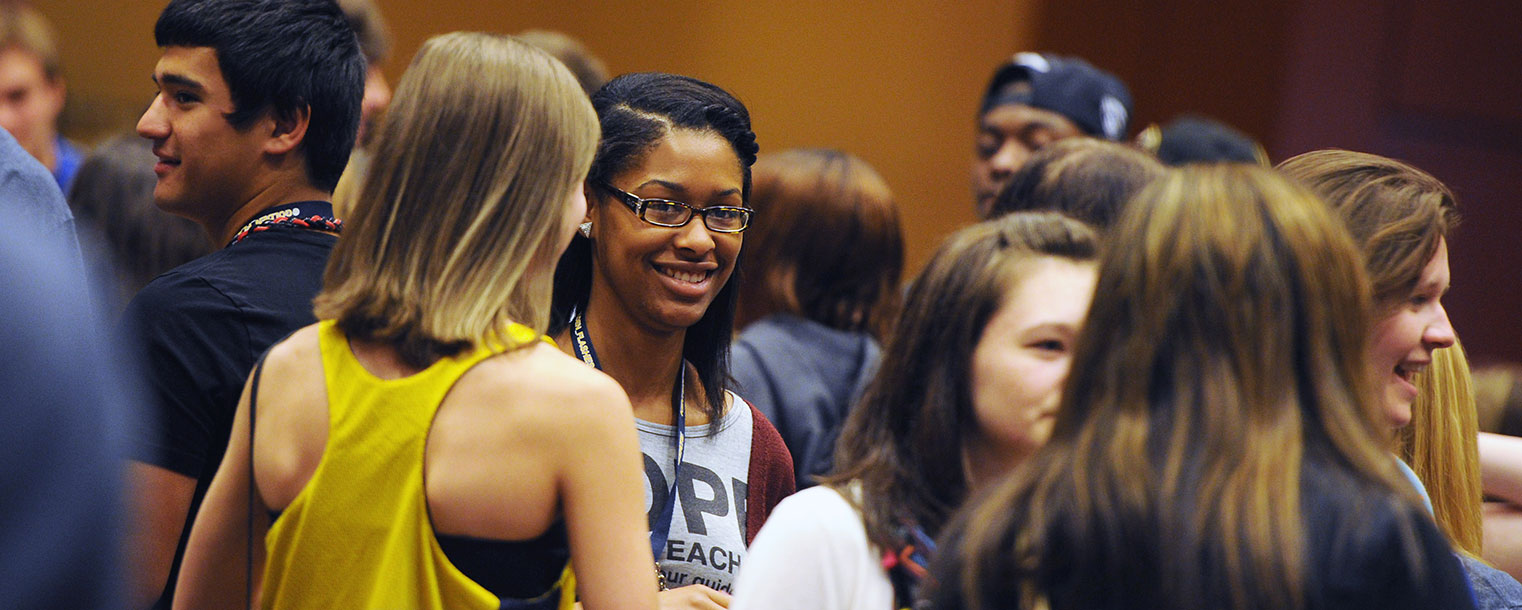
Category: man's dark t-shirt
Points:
column 200, row 327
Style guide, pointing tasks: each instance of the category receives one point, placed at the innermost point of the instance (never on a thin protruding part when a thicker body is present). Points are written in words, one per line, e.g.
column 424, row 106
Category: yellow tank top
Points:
column 359, row 535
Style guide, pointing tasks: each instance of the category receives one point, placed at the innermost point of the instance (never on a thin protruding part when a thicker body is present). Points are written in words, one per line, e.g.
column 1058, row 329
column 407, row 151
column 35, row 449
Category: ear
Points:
column 60, row 91
column 288, row 131
column 589, row 192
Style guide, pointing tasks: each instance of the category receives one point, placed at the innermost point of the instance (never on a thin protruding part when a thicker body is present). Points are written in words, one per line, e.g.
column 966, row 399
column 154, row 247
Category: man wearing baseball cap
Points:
column 1035, row 99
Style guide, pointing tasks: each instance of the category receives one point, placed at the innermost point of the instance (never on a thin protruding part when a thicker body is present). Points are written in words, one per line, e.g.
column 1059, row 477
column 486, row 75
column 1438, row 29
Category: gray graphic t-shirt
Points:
column 707, row 540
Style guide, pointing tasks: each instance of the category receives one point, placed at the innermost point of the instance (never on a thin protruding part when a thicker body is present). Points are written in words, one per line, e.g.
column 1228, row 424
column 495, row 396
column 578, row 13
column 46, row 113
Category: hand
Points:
column 693, row 597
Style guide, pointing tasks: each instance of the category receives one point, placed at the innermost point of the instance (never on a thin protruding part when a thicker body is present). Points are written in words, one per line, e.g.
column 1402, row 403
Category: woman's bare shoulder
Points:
column 299, row 348
column 540, row 384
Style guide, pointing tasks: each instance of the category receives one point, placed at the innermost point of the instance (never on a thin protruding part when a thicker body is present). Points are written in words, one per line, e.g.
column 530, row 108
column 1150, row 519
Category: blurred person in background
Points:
column 130, row 237
column 1498, row 398
column 1197, row 139
column 589, row 70
column 1084, row 178
column 66, row 398
column 32, row 89
column 1441, row 446
column 375, row 43
column 1035, row 99
column 820, row 284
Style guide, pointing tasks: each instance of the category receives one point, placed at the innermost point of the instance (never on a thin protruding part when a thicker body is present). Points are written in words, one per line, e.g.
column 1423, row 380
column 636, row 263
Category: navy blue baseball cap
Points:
column 1094, row 100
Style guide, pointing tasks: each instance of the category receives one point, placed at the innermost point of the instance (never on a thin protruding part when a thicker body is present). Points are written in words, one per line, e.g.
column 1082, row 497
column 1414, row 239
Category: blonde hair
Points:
column 1223, row 351
column 474, row 165
column 1441, row 446
column 22, row 27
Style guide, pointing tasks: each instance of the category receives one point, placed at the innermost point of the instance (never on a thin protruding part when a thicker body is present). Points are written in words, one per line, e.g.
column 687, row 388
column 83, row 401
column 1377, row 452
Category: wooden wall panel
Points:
column 895, row 83
column 1434, row 84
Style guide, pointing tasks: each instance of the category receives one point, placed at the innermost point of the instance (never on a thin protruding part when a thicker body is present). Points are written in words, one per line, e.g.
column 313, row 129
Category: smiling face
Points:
column 1022, row 359
column 206, row 167
column 1404, row 339
column 666, row 277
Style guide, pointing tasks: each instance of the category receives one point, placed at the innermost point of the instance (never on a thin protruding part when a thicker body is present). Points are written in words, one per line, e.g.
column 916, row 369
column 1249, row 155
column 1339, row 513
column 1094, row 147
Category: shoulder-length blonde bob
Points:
column 453, row 234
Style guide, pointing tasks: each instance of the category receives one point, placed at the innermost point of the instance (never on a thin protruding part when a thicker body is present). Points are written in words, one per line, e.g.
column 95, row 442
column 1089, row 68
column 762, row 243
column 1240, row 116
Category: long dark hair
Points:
column 904, row 442
column 636, row 112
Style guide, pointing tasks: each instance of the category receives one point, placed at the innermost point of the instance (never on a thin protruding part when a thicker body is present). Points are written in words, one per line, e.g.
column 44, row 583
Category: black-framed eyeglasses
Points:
column 668, row 213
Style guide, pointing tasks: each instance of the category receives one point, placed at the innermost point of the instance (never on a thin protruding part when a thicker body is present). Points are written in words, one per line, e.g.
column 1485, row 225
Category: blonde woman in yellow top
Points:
column 422, row 446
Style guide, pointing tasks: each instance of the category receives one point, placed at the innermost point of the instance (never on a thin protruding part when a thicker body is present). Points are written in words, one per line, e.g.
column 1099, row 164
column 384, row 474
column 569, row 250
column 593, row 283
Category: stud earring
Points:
column 586, row 229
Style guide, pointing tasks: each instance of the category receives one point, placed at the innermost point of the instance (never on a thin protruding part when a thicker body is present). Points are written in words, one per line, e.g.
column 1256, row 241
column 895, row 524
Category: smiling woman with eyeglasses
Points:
column 644, row 294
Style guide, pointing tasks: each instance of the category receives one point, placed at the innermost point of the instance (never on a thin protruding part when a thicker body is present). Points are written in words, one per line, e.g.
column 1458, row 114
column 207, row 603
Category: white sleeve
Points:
column 812, row 553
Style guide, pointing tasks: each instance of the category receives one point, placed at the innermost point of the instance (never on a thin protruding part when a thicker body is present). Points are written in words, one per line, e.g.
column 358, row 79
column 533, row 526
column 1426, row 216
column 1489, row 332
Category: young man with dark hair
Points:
column 258, row 105
column 1035, row 99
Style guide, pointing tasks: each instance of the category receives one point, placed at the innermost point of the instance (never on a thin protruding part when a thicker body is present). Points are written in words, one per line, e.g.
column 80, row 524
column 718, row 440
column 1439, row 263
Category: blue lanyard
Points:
column 581, row 343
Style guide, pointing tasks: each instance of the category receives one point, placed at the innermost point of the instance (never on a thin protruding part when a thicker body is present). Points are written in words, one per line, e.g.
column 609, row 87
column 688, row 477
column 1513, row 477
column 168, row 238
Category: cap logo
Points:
column 1112, row 117
column 1034, row 61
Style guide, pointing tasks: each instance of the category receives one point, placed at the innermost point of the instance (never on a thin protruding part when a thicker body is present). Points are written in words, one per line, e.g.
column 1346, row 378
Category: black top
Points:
column 199, row 328
column 1365, row 549
column 513, row 570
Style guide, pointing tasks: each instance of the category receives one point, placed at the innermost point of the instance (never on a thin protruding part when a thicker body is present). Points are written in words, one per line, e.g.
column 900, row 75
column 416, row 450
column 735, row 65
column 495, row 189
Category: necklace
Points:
column 318, row 217
column 581, row 343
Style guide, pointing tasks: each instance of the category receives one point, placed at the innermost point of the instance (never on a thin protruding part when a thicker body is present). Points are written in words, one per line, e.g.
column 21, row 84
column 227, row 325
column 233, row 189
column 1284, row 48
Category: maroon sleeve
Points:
column 771, row 473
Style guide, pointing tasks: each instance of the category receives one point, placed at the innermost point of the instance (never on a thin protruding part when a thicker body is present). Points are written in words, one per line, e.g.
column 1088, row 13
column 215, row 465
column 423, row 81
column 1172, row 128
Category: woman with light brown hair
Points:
column 820, row 282
column 1216, row 445
column 1400, row 217
column 423, row 446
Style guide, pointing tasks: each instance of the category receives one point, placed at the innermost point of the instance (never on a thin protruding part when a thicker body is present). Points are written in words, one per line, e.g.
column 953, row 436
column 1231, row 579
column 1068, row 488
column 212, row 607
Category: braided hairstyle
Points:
column 636, row 111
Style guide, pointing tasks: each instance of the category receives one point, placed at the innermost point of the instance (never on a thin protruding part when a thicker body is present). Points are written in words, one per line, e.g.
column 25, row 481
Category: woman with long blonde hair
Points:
column 422, row 446
column 1441, row 447
column 1216, row 445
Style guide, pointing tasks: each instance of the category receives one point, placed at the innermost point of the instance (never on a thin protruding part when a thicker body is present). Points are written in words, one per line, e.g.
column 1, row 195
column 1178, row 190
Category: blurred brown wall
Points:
column 896, row 83
column 1435, row 84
